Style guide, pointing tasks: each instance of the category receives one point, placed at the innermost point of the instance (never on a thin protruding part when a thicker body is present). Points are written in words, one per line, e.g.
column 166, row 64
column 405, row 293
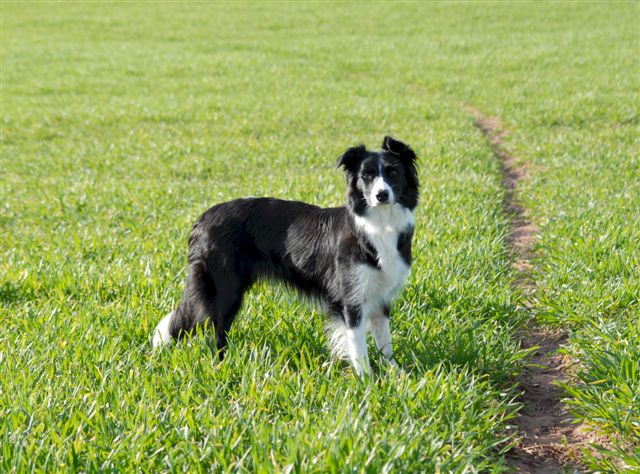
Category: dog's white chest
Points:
column 379, row 285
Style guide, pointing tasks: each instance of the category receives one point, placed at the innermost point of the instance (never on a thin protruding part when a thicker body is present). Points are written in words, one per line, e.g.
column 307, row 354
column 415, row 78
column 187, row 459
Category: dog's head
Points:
column 381, row 178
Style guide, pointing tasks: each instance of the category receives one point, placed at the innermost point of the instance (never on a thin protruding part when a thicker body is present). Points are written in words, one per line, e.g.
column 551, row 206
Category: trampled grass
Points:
column 579, row 133
column 120, row 124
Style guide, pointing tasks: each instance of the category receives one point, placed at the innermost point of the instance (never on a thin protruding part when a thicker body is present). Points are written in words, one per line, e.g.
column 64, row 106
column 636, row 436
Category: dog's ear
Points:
column 351, row 157
column 398, row 148
column 407, row 157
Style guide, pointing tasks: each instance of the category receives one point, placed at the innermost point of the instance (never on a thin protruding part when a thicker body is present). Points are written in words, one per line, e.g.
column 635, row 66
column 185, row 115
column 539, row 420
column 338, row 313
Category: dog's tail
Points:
column 337, row 334
column 162, row 333
column 194, row 309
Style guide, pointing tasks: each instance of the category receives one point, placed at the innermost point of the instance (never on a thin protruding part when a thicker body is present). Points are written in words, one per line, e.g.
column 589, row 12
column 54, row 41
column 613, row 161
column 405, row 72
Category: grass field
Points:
column 122, row 123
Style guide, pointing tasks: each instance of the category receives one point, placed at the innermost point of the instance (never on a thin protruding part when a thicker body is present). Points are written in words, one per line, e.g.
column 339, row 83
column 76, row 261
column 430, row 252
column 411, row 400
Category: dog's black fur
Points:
column 236, row 243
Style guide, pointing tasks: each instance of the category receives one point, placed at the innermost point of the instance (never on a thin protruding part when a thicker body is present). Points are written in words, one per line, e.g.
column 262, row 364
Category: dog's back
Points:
column 257, row 238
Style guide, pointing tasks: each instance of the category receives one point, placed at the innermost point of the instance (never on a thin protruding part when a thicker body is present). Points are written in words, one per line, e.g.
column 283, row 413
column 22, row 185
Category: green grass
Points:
column 575, row 121
column 121, row 124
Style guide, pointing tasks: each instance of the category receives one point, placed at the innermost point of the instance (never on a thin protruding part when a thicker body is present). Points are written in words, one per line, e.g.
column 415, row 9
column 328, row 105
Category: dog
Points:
column 353, row 259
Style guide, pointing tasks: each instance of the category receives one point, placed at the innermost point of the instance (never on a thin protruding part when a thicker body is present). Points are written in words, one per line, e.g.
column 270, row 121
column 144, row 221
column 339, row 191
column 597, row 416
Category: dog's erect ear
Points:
column 351, row 157
column 398, row 148
column 407, row 157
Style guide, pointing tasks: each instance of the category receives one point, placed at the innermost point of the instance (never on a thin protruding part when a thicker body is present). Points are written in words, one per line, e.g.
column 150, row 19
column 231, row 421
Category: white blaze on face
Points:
column 379, row 184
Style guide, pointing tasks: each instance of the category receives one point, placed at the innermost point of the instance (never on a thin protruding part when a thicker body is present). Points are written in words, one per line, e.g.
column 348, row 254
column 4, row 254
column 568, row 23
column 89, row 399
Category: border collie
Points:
column 352, row 259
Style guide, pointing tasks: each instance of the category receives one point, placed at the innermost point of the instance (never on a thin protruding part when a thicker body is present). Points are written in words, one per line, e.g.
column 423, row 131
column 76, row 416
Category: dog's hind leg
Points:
column 209, row 298
column 228, row 301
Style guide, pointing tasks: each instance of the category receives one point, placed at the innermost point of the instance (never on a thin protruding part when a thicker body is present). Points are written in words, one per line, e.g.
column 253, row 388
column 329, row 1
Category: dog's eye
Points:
column 391, row 172
column 367, row 175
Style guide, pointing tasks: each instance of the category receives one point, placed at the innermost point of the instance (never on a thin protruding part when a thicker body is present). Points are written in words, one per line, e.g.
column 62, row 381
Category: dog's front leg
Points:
column 356, row 339
column 379, row 323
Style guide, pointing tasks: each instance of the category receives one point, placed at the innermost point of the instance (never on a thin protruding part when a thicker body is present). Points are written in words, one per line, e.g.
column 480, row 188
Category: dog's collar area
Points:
column 392, row 218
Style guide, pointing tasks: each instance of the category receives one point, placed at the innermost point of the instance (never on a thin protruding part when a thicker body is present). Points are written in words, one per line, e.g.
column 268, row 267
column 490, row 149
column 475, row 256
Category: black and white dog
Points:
column 353, row 259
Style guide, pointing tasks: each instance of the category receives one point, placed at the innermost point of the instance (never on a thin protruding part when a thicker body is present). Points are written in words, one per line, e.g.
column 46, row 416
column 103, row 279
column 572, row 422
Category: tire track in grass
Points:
column 549, row 442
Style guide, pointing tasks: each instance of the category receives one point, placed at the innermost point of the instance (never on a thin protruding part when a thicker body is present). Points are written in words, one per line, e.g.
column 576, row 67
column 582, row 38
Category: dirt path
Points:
column 549, row 442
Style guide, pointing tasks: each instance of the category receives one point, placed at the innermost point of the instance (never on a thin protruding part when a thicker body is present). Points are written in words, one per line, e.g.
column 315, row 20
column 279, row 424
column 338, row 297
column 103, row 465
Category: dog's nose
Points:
column 383, row 196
